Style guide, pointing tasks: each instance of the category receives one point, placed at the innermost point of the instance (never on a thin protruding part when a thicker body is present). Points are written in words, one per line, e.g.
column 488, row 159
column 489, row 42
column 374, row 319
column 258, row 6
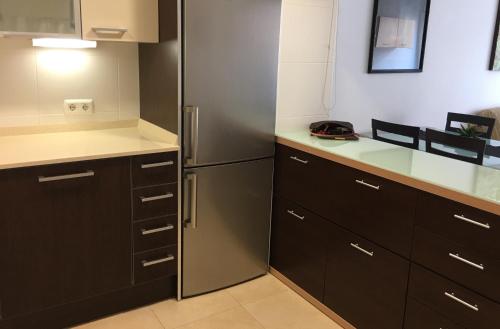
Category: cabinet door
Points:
column 365, row 284
column 120, row 20
column 65, row 234
column 59, row 18
column 298, row 246
column 377, row 209
column 303, row 178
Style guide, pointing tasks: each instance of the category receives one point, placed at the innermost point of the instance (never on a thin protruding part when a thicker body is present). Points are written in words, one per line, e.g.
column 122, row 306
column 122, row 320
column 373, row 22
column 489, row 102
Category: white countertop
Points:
column 469, row 179
column 24, row 147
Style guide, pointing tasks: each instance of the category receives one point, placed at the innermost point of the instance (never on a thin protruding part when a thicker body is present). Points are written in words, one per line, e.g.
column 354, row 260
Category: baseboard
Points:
column 94, row 308
column 316, row 303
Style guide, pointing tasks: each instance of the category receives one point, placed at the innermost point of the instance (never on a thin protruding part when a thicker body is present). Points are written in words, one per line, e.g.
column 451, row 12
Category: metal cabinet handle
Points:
column 362, row 182
column 156, row 198
column 458, row 300
column 191, row 200
column 117, row 31
column 43, row 179
column 291, row 212
column 468, row 262
column 157, row 230
column 364, row 251
column 473, row 222
column 156, row 165
column 299, row 160
column 146, row 263
column 191, row 135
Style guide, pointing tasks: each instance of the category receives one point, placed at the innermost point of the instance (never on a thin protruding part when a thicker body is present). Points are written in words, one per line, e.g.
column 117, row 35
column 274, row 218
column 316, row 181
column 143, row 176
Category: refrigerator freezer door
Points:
column 230, row 79
column 228, row 242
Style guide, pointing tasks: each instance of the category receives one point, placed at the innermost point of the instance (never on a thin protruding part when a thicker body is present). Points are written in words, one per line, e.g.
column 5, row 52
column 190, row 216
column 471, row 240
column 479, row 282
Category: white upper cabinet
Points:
column 120, row 20
column 47, row 18
column 396, row 33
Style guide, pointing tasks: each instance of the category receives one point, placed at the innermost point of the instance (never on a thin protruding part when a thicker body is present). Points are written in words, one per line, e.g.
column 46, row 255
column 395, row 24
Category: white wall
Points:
column 455, row 77
column 34, row 82
column 305, row 70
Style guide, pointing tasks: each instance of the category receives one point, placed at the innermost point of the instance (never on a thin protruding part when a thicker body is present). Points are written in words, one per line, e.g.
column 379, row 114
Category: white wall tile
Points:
column 18, row 94
column 301, row 89
column 305, row 75
column 305, row 33
column 35, row 82
column 78, row 75
column 319, row 3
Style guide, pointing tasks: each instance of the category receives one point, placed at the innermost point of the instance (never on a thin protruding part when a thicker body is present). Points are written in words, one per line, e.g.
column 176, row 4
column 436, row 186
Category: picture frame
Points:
column 398, row 36
column 495, row 48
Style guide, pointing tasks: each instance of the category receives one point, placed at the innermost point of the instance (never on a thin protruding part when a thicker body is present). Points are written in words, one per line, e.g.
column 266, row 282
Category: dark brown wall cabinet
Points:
column 67, row 235
column 349, row 238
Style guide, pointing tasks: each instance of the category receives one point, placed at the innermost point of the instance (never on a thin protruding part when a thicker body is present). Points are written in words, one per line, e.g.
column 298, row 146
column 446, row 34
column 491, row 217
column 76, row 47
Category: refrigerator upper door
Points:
column 226, row 239
column 230, row 79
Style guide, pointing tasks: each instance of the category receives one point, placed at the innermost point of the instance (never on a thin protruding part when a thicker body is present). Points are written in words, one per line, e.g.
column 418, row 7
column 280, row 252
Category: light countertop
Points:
column 24, row 147
column 464, row 182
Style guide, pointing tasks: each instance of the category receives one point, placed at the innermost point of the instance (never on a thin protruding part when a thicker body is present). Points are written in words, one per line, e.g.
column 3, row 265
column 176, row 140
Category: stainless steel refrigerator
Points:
column 230, row 59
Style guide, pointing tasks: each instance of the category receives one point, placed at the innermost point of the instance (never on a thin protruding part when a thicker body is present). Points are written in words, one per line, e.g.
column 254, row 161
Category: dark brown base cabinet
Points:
column 380, row 254
column 67, row 241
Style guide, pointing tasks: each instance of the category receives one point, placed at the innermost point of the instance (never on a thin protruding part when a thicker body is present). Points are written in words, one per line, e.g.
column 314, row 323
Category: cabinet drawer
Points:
column 478, row 271
column 302, row 177
column 365, row 284
column 378, row 209
column 460, row 223
column 298, row 246
column 419, row 316
column 154, row 169
column 155, row 201
column 155, row 233
column 458, row 304
column 155, row 264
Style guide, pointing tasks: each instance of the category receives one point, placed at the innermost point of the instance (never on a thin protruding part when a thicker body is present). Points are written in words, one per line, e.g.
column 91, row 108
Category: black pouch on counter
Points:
column 339, row 130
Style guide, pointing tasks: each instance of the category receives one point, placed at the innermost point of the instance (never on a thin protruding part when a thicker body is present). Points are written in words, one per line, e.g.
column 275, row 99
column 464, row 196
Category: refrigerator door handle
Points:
column 190, row 200
column 191, row 135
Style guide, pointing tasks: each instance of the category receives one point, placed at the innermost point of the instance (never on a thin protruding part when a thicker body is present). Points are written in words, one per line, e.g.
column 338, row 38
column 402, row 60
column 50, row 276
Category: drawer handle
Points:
column 157, row 230
column 42, row 179
column 299, row 160
column 156, row 198
column 364, row 251
column 146, row 263
column 473, row 222
column 362, row 182
column 291, row 212
column 468, row 262
column 109, row 30
column 156, row 165
column 458, row 300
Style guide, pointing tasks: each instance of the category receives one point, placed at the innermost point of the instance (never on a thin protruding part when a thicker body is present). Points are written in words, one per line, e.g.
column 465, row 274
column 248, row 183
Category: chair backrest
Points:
column 393, row 128
column 476, row 120
column 465, row 143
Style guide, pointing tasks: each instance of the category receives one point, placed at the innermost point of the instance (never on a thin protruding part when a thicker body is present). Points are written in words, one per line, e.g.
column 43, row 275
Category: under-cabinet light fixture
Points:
column 64, row 43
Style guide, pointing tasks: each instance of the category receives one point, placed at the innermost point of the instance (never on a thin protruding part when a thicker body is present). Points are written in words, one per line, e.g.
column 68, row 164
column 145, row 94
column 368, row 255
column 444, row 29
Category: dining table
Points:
column 491, row 152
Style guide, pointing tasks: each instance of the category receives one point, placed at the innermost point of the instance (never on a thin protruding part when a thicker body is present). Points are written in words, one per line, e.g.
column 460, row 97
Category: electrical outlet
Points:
column 79, row 106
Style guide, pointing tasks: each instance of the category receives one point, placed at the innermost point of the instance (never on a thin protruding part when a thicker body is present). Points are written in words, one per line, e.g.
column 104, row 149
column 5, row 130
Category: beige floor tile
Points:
column 257, row 289
column 287, row 310
column 142, row 318
column 173, row 314
column 236, row 318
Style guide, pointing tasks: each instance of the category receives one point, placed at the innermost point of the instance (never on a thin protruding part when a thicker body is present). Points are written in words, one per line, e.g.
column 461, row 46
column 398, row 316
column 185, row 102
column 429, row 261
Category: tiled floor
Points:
column 264, row 303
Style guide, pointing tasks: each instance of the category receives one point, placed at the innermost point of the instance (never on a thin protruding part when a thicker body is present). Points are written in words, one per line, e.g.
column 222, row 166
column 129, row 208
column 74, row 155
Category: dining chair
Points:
column 476, row 120
column 474, row 145
column 397, row 129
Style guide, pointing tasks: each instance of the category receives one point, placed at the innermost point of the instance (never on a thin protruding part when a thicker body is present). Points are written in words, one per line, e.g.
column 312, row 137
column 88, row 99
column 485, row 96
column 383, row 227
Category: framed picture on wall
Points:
column 495, row 49
column 399, row 32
